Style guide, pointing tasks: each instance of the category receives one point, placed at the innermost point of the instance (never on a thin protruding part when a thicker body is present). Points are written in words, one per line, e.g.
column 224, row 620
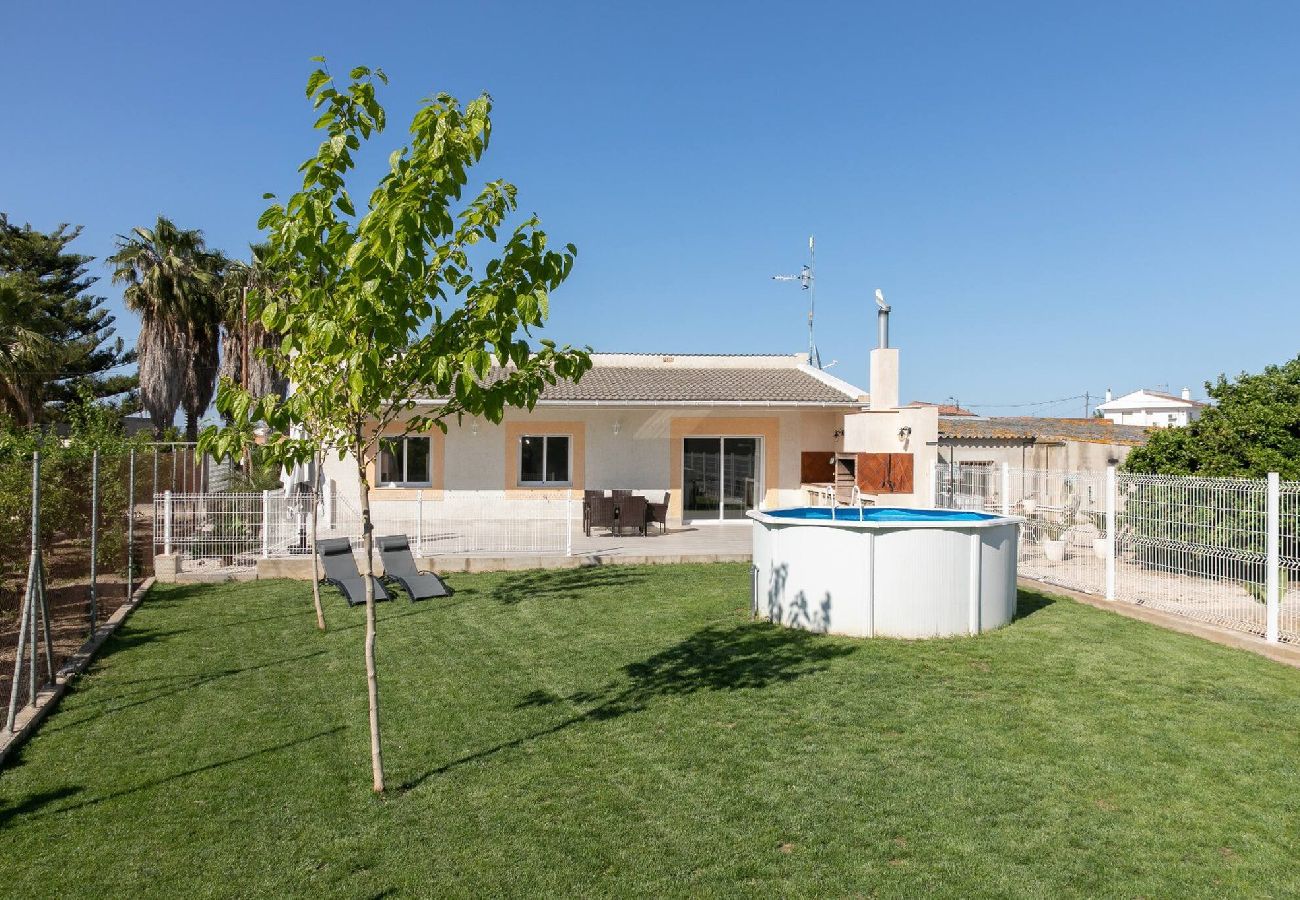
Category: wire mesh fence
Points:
column 224, row 532
column 91, row 550
column 1196, row 547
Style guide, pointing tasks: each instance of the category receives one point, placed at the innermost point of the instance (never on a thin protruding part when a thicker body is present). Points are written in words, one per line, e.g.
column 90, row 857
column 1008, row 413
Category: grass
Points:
column 628, row 731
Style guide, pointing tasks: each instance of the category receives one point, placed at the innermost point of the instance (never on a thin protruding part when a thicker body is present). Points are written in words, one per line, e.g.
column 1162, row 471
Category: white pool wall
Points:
column 886, row 579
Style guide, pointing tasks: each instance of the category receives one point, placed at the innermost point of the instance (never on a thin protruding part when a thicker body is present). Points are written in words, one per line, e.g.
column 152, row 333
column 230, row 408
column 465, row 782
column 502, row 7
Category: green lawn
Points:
column 628, row 731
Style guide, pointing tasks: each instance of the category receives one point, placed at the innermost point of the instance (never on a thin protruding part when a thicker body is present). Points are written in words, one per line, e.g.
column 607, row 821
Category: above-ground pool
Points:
column 885, row 572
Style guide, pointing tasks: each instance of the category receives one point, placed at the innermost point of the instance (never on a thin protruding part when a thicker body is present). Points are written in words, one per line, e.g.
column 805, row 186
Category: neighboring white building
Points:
column 1152, row 408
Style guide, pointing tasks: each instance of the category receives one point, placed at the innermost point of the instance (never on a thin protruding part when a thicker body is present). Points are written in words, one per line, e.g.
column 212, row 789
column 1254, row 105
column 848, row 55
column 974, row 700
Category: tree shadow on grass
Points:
column 35, row 802
column 1030, row 602
column 716, row 658
column 182, row 684
column 39, row 803
column 562, row 584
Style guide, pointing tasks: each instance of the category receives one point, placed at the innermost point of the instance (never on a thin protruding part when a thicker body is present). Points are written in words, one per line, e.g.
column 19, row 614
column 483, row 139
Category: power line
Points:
column 1083, row 396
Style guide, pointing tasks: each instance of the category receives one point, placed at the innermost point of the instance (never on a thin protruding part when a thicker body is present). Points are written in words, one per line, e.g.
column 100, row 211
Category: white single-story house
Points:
column 1152, row 408
column 716, row 434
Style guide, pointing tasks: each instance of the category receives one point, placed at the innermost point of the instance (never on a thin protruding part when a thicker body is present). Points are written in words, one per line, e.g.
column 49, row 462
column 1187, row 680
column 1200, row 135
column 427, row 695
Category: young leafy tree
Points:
column 1252, row 428
column 381, row 308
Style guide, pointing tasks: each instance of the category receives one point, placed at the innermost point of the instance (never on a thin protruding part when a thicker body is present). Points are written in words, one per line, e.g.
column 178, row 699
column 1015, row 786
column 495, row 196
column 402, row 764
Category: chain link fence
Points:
column 91, row 549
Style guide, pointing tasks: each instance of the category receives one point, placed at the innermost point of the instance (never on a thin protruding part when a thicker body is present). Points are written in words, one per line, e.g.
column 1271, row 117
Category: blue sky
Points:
column 1056, row 198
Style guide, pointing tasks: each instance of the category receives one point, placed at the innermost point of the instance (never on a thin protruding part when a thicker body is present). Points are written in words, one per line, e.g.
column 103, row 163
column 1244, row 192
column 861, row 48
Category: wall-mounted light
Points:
column 618, row 426
column 839, row 433
column 905, row 432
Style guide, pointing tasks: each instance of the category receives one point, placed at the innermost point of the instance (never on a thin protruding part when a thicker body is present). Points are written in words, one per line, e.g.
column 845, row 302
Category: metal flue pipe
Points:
column 882, row 320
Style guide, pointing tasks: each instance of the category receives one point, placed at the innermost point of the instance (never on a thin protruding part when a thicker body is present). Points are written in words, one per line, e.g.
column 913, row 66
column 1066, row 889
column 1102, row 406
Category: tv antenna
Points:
column 808, row 282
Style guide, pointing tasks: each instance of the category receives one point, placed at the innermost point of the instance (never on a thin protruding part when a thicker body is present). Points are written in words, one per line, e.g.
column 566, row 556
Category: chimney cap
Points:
column 1187, row 393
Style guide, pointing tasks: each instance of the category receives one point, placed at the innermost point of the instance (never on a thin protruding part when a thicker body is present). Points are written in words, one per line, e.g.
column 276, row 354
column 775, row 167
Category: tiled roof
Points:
column 945, row 409
column 1097, row 431
column 686, row 384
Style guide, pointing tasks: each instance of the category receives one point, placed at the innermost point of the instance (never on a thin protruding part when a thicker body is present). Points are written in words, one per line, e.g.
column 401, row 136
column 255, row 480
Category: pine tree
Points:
column 85, row 356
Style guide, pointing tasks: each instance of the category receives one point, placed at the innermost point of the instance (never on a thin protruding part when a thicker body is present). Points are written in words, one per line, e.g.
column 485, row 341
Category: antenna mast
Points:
column 808, row 281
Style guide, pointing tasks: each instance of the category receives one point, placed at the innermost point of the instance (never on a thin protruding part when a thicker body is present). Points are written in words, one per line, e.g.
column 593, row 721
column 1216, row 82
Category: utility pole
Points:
column 1087, row 404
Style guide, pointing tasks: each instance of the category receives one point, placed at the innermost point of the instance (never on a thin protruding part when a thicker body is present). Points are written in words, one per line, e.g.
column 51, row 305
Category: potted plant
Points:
column 1052, row 538
column 1100, row 544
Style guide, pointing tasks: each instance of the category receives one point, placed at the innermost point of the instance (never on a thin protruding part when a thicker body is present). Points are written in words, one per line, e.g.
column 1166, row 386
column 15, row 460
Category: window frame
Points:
column 404, row 440
column 546, row 440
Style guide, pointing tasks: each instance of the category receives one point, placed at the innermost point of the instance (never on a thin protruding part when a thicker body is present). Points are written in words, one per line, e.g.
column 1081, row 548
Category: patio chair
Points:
column 399, row 566
column 598, row 512
column 631, row 512
column 341, row 571
column 657, row 514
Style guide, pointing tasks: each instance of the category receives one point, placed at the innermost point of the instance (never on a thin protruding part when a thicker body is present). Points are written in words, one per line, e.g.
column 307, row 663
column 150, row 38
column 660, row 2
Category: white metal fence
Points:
column 224, row 531
column 1220, row 550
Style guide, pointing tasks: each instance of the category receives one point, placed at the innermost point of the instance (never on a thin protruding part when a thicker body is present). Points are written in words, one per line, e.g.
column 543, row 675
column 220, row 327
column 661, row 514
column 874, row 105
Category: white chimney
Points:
column 1108, row 397
column 1187, row 393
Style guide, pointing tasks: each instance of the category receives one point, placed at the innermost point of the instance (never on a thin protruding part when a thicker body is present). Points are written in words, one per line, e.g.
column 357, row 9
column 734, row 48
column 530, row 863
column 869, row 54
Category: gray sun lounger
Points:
column 341, row 571
column 399, row 566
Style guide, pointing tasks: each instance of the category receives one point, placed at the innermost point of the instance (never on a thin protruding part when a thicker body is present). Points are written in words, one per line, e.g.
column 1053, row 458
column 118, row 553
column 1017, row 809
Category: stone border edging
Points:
column 29, row 718
column 1286, row 654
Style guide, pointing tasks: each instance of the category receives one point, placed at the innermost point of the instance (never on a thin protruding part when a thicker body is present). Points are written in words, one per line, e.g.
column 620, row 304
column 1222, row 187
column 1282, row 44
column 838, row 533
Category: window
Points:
column 975, row 477
column 544, row 459
column 404, row 461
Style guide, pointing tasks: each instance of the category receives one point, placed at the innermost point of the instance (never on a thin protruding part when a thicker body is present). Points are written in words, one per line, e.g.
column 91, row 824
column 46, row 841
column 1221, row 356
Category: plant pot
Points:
column 1054, row 550
column 1099, row 547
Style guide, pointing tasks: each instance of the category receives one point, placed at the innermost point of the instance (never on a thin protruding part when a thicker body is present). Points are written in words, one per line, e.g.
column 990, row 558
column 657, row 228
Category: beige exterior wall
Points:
column 878, row 431
column 634, row 448
column 1058, row 456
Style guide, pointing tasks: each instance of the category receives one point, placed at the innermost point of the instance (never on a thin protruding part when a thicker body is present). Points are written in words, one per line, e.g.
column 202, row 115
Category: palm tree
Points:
column 242, row 334
column 171, row 281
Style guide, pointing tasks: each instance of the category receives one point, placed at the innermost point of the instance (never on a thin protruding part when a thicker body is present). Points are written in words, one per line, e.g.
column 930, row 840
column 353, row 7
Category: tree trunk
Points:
column 367, row 576
column 315, row 580
column 191, row 426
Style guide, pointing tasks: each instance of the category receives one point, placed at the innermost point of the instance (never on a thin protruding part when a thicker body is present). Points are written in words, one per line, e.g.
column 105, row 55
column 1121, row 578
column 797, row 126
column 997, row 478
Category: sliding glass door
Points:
column 720, row 477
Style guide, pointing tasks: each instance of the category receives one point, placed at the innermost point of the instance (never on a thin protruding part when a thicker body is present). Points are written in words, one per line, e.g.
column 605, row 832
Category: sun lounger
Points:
column 341, row 571
column 399, row 566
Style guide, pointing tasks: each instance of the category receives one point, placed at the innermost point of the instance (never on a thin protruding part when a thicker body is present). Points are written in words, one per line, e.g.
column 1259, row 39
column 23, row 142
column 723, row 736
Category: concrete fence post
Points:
column 934, row 484
column 419, row 519
column 1272, row 550
column 328, row 486
column 1006, row 489
column 167, row 522
column 94, row 541
column 266, row 524
column 130, row 524
column 1112, row 501
column 568, row 527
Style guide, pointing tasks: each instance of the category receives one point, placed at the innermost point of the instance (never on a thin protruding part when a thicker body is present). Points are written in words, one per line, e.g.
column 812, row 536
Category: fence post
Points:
column 167, row 523
column 266, row 524
column 1006, row 489
column 327, row 485
column 934, row 483
column 419, row 521
column 1112, row 501
column 568, row 527
column 130, row 525
column 1272, row 584
column 94, row 540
